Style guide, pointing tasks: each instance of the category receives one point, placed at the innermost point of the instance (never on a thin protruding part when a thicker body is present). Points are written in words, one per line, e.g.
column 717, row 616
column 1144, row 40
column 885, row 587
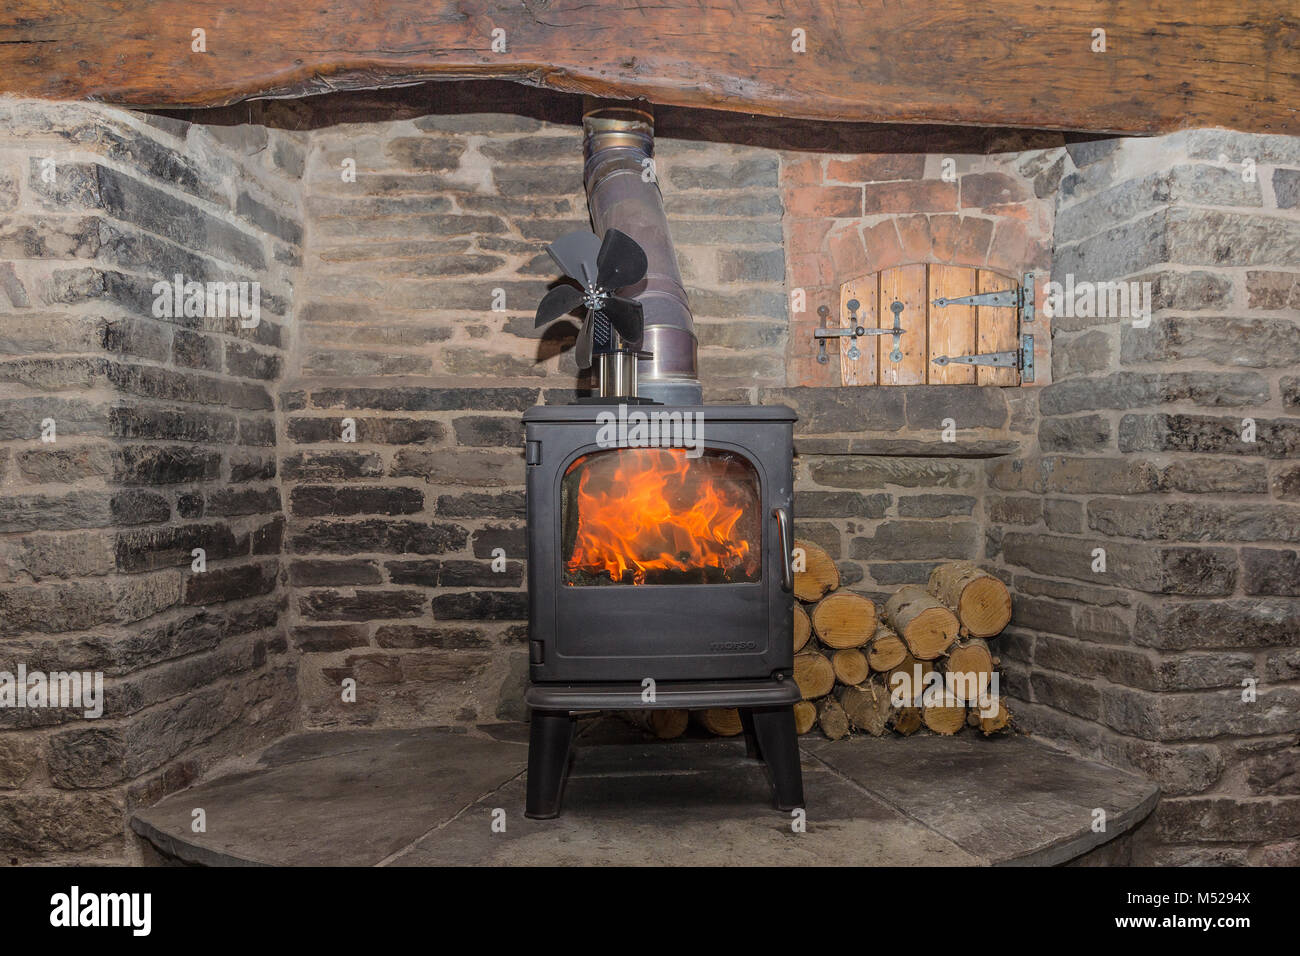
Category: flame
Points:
column 641, row 511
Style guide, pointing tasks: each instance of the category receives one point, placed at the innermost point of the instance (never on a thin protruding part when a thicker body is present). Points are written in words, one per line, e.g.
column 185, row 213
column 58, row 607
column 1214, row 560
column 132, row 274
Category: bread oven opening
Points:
column 647, row 516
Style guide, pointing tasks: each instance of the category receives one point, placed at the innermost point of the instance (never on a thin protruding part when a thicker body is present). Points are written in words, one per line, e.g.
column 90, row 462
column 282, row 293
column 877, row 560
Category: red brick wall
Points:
column 850, row 215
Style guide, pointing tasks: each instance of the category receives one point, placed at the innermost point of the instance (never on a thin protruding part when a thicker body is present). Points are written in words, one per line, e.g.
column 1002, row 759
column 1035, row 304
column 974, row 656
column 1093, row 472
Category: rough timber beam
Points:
column 1167, row 64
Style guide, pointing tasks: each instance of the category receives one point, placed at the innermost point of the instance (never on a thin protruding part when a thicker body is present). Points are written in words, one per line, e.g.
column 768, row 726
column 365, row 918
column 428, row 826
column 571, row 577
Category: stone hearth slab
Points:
column 426, row 797
column 344, row 798
column 1005, row 799
column 689, row 803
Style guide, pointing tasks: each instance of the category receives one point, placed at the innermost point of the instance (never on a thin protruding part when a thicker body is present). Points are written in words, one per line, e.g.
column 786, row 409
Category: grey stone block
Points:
column 911, row 540
column 1193, row 520
column 481, row 606
column 1080, row 433
column 390, row 537
column 318, row 500
column 1256, row 622
column 1215, row 341
column 361, row 605
column 1269, row 571
column 840, row 504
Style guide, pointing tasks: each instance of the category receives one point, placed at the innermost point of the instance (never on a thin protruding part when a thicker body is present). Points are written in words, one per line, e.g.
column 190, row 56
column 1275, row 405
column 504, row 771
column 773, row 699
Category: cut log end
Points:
column 802, row 628
column 968, row 669
column 850, row 666
column 868, row 707
column 906, row 720
column 886, row 650
column 722, row 721
column 814, row 674
column 925, row 625
column 664, row 724
column 832, row 719
column 980, row 600
column 815, row 572
column 916, row 673
column 998, row 722
column 844, row 619
column 805, row 716
column 944, row 720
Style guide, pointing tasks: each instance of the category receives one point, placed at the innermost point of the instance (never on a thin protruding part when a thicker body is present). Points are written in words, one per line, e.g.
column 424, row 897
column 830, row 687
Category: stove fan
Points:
column 599, row 267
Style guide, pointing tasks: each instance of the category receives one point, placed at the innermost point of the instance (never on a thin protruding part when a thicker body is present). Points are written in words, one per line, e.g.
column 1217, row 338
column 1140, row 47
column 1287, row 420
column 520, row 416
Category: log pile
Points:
column 848, row 651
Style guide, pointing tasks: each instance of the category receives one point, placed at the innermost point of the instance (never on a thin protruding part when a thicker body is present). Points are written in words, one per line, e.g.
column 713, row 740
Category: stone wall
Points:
column 424, row 263
column 879, row 488
column 1145, row 452
column 351, row 465
column 421, row 278
column 128, row 440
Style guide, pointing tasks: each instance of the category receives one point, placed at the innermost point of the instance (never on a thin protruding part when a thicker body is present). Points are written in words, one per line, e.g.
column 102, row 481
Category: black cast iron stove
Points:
column 660, row 576
column 659, row 549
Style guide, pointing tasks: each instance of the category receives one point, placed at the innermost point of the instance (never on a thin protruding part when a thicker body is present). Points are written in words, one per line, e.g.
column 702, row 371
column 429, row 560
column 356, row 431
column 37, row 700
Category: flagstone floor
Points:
column 438, row 797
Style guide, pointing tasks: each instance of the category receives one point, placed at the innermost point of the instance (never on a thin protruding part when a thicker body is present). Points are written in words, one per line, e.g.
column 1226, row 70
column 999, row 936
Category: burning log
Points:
column 816, row 574
column 982, row 602
column 886, row 650
column 814, row 674
column 656, row 516
column 844, row 619
column 927, row 626
column 802, row 628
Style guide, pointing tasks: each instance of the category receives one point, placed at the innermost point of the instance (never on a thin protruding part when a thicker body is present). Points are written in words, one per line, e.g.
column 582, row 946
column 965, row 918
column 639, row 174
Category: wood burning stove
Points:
column 659, row 573
column 659, row 549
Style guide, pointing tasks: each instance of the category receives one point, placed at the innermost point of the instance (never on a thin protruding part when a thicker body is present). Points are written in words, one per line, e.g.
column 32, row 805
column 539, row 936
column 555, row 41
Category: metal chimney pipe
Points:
column 623, row 194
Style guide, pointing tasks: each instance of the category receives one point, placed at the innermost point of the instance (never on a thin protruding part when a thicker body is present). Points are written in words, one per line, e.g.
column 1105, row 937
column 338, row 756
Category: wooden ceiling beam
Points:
column 1167, row 64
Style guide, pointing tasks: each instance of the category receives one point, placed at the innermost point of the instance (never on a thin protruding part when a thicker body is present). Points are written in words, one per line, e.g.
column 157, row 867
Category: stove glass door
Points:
column 655, row 516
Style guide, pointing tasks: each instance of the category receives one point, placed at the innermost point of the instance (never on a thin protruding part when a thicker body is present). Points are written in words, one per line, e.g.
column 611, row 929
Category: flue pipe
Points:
column 623, row 193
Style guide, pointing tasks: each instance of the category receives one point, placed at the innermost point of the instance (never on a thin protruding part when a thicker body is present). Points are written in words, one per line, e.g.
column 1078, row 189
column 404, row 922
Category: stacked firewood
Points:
column 847, row 651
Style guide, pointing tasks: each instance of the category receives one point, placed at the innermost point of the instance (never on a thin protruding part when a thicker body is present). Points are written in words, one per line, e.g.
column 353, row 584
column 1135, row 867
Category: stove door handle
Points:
column 783, row 539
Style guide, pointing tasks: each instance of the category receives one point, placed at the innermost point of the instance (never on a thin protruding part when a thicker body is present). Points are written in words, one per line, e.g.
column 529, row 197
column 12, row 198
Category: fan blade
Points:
column 560, row 300
column 582, row 351
column 627, row 316
column 621, row 262
column 576, row 254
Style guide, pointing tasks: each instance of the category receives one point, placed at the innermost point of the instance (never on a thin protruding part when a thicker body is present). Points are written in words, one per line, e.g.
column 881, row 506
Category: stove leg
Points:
column 550, row 735
column 774, row 729
column 752, row 749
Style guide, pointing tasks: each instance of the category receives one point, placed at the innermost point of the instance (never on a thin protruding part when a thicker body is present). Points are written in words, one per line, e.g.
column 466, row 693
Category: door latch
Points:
column 855, row 330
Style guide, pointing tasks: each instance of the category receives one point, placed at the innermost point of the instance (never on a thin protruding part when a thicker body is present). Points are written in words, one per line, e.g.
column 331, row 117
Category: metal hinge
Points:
column 1021, row 358
column 1022, row 299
